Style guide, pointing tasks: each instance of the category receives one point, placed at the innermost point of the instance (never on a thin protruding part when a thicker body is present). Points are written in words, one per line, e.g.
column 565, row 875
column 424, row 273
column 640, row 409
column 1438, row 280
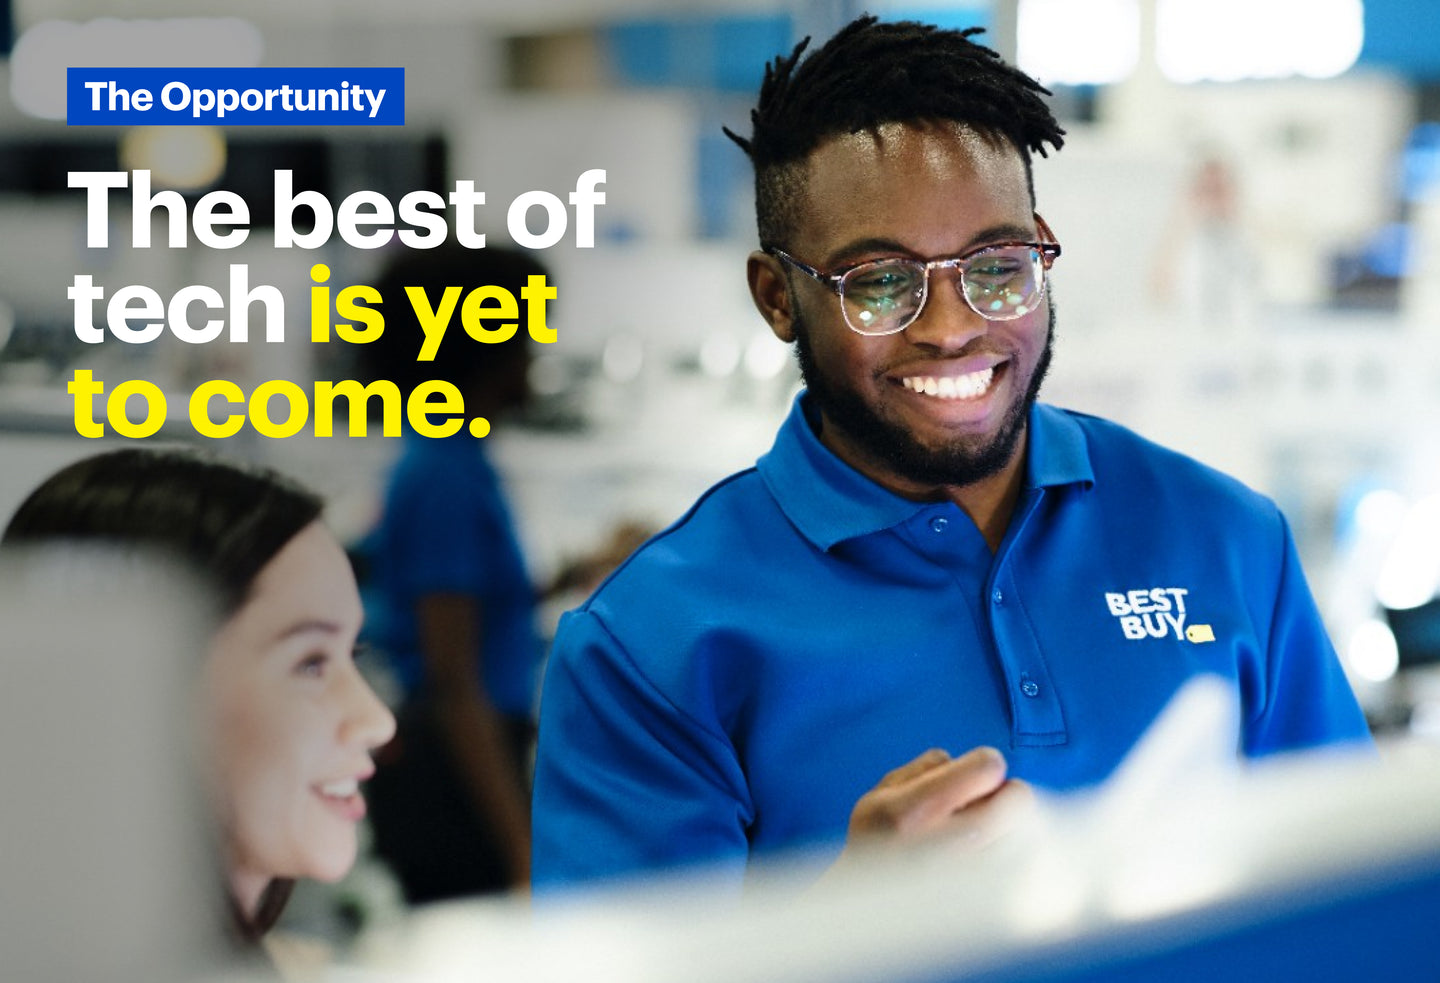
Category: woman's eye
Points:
column 312, row 665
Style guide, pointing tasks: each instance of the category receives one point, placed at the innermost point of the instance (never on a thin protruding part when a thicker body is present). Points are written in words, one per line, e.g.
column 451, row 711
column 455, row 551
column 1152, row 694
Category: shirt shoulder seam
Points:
column 718, row 736
column 665, row 533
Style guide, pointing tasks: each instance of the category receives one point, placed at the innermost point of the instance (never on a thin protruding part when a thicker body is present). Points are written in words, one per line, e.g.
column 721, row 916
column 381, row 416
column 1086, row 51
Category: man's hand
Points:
column 937, row 797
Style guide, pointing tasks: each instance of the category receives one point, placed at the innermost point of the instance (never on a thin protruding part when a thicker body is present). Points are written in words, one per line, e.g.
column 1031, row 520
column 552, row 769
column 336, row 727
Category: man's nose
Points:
column 946, row 323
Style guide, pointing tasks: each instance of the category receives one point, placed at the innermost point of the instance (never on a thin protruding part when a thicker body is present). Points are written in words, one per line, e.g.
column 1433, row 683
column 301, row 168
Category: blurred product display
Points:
column 1183, row 867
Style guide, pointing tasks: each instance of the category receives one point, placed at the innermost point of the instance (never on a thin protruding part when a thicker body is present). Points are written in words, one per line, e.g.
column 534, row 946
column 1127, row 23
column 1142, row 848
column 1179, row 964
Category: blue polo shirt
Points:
column 749, row 673
column 447, row 528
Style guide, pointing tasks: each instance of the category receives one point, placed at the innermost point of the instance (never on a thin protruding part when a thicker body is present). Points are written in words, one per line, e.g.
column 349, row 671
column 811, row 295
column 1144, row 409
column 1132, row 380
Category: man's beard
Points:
column 894, row 445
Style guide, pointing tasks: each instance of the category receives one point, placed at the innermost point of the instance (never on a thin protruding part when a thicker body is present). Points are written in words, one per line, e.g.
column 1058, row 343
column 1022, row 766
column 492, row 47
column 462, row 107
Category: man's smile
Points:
column 970, row 386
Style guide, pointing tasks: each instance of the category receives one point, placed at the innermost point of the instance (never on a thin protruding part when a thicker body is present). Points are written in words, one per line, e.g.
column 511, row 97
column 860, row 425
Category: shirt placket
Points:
column 1036, row 713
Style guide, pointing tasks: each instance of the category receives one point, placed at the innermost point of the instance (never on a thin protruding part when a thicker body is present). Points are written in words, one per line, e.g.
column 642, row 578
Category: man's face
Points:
column 924, row 193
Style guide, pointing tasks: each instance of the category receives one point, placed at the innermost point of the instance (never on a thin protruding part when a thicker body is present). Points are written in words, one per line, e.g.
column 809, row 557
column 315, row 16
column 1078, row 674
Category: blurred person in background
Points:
column 1203, row 272
column 928, row 557
column 287, row 722
column 453, row 605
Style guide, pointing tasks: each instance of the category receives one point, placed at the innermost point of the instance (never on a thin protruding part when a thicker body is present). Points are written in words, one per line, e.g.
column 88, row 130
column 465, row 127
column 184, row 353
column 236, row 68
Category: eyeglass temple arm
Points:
column 829, row 279
column 1050, row 246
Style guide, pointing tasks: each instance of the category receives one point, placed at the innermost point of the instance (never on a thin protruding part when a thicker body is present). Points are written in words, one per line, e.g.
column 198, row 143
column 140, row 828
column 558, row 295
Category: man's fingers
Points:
column 993, row 817
column 930, row 798
column 913, row 769
column 920, row 796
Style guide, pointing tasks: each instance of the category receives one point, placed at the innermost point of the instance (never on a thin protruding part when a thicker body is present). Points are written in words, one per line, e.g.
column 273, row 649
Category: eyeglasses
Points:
column 1000, row 281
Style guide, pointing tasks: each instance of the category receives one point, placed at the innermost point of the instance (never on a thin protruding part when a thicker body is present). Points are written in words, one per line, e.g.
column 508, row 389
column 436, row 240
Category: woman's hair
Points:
column 224, row 521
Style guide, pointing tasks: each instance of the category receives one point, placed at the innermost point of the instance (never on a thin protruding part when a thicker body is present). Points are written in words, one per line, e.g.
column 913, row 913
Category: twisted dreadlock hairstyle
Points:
column 872, row 73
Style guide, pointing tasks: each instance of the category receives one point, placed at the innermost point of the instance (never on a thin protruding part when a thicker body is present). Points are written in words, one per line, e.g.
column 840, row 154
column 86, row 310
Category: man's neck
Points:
column 990, row 502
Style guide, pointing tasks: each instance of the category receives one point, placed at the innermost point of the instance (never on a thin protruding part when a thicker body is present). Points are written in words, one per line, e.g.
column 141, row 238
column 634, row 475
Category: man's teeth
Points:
column 340, row 790
column 949, row 387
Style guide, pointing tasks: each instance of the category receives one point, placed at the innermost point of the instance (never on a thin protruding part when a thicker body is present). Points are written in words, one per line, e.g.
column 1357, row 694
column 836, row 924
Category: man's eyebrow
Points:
column 860, row 247
column 1004, row 232
column 851, row 251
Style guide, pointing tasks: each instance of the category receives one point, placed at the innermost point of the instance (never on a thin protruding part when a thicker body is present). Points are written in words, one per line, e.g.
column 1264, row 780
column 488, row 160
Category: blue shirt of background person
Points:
column 447, row 528
column 455, row 606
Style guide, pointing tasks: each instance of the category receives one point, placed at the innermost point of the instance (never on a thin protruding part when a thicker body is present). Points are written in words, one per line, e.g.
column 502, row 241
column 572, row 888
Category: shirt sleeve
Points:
column 625, row 781
column 1307, row 701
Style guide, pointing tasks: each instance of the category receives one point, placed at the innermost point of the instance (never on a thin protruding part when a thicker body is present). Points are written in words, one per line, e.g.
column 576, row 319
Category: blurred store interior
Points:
column 1250, row 211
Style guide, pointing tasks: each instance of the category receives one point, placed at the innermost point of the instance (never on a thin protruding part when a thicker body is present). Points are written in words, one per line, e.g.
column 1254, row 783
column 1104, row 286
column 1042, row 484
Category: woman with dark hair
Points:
column 289, row 722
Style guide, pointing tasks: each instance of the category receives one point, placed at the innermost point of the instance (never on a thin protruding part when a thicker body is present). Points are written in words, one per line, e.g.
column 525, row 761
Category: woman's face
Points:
column 290, row 720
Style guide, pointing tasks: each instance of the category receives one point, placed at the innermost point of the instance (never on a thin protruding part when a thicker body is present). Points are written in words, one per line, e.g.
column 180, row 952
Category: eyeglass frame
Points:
column 1048, row 249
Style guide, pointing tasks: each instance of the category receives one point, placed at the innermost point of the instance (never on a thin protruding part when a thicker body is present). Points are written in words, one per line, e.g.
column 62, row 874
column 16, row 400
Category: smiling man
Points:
column 934, row 593
column 936, row 406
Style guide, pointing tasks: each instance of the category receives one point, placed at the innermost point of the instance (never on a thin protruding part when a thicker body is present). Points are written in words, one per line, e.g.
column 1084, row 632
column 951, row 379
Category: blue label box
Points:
column 235, row 97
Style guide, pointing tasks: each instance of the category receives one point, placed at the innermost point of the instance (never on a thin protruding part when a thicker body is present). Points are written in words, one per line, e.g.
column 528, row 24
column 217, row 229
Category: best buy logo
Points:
column 1155, row 612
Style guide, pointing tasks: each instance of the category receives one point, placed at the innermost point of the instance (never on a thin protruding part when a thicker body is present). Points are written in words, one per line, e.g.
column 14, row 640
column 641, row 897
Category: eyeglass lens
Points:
column 885, row 297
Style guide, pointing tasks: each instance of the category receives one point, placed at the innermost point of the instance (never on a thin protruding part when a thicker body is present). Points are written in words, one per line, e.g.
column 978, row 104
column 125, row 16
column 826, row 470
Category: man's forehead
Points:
column 895, row 137
column 916, row 147
column 888, row 167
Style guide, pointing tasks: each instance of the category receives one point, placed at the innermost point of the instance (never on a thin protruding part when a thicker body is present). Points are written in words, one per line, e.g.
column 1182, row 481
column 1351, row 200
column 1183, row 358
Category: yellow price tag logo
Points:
column 1200, row 633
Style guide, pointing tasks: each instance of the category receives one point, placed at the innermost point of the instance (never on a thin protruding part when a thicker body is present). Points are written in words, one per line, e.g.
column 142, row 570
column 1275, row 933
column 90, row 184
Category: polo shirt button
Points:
column 939, row 523
column 998, row 597
column 1029, row 687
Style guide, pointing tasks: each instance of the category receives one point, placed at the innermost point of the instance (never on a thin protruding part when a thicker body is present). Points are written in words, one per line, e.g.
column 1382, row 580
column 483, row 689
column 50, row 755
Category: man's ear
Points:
column 770, row 289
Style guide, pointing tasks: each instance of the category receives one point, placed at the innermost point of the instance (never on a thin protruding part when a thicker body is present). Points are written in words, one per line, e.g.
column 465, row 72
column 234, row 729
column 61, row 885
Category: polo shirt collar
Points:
column 1058, row 452
column 829, row 502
